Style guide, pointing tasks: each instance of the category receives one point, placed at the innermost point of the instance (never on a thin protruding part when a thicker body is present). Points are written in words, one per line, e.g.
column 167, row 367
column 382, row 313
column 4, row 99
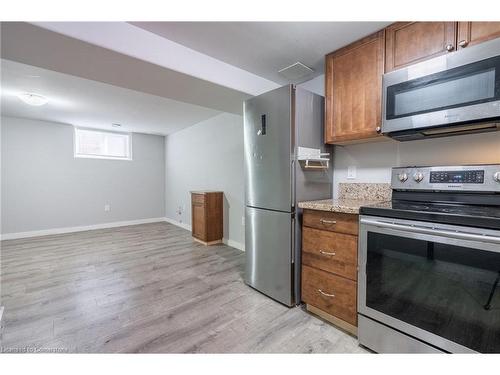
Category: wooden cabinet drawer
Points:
column 329, row 251
column 198, row 199
column 331, row 221
column 333, row 294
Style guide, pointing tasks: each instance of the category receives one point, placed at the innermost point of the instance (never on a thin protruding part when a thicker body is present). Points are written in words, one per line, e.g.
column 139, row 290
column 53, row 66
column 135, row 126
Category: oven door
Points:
column 437, row 283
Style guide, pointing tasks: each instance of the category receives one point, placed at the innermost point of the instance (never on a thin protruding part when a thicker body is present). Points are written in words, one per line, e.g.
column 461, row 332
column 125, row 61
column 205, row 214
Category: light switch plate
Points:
column 351, row 172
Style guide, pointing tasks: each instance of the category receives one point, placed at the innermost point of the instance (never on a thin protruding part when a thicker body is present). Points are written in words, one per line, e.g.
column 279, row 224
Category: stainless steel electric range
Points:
column 429, row 263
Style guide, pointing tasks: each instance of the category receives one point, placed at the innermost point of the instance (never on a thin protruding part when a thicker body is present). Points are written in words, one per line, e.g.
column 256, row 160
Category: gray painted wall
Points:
column 207, row 156
column 316, row 85
column 44, row 187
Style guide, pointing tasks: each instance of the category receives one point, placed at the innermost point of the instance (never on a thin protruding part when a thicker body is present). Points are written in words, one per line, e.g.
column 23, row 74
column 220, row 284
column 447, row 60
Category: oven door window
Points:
column 448, row 290
column 458, row 87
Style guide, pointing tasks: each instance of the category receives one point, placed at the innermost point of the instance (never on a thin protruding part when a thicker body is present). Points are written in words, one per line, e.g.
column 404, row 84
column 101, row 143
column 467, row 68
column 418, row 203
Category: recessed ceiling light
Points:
column 33, row 99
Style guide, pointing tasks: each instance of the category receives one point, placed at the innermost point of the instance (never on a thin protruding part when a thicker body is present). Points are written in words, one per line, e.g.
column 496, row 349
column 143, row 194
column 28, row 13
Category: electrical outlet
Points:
column 243, row 220
column 107, row 207
column 351, row 172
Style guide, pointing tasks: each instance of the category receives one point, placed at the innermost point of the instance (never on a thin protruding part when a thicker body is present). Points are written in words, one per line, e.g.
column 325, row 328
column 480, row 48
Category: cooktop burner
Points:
column 458, row 214
column 458, row 195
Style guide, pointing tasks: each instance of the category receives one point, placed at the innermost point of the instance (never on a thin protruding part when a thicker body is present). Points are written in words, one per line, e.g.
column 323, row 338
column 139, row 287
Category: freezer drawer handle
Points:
column 325, row 221
column 328, row 254
column 325, row 294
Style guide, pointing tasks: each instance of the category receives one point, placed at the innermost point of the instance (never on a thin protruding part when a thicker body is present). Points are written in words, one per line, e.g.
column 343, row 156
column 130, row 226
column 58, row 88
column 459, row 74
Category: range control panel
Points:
column 477, row 178
column 457, row 177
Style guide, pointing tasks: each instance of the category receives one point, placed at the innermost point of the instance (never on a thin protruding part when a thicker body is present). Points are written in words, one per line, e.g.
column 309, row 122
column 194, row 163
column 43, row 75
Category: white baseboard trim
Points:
column 178, row 223
column 235, row 244
column 47, row 232
column 228, row 242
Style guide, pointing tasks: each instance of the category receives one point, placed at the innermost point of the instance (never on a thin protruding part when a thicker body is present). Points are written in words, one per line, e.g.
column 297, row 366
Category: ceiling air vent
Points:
column 295, row 71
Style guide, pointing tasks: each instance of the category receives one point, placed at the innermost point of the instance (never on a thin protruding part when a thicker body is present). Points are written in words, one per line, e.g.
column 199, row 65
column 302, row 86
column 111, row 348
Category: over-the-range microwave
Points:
column 456, row 93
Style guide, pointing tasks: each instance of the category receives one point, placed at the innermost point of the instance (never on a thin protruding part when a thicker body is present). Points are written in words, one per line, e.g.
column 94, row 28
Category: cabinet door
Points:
column 198, row 220
column 471, row 33
column 411, row 42
column 353, row 89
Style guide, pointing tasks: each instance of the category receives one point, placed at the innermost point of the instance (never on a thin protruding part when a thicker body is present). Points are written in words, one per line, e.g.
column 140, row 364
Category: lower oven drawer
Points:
column 333, row 294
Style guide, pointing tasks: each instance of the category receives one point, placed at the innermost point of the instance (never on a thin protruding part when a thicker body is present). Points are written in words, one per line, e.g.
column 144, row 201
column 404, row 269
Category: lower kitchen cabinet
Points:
column 206, row 216
column 329, row 266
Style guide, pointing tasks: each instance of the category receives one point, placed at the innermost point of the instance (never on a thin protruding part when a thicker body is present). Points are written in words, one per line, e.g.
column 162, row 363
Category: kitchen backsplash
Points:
column 373, row 161
column 365, row 191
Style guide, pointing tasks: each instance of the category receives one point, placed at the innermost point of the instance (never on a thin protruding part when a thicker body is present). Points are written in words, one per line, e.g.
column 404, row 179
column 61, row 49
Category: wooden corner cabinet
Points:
column 353, row 90
column 207, row 216
column 330, row 266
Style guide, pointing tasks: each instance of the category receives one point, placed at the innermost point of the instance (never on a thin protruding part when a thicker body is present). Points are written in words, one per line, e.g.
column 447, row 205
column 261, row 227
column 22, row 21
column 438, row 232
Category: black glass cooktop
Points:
column 456, row 214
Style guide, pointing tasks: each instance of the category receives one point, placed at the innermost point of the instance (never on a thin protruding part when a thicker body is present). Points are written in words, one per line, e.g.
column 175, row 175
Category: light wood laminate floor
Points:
column 146, row 288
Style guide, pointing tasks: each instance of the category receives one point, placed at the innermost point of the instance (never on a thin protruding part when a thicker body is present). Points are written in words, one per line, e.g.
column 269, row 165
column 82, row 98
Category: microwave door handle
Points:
column 439, row 232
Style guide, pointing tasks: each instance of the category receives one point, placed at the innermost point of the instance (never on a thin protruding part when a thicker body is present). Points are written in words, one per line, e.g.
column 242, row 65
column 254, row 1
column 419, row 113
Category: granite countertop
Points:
column 204, row 191
column 346, row 206
column 352, row 196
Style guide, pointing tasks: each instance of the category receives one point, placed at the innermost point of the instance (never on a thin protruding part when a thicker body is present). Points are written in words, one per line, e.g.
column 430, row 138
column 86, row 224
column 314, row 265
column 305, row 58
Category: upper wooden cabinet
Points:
column 471, row 33
column 353, row 90
column 353, row 74
column 411, row 42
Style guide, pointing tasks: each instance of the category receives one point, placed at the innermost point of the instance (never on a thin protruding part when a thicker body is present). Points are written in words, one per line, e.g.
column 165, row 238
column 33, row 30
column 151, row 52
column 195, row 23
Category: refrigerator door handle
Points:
column 262, row 125
column 292, row 175
column 293, row 239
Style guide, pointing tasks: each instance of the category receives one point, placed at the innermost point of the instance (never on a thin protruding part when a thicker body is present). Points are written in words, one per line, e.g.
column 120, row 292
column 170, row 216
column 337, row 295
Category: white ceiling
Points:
column 82, row 102
column 36, row 46
column 263, row 48
column 96, row 74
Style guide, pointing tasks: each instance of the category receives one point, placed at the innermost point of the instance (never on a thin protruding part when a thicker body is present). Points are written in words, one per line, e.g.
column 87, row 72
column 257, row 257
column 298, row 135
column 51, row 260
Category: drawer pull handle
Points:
column 325, row 294
column 325, row 221
column 328, row 254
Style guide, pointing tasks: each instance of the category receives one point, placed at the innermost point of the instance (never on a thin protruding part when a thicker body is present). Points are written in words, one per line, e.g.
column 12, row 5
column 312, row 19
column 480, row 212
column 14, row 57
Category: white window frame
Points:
column 90, row 156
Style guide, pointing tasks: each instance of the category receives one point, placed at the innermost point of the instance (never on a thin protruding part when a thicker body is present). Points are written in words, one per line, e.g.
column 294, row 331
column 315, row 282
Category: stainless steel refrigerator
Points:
column 276, row 124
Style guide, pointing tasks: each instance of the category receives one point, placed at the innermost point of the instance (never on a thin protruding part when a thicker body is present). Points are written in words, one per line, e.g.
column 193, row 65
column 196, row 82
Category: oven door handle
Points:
column 437, row 232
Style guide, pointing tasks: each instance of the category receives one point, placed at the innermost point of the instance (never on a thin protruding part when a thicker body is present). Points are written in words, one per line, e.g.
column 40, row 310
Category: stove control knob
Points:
column 402, row 177
column 496, row 176
column 419, row 176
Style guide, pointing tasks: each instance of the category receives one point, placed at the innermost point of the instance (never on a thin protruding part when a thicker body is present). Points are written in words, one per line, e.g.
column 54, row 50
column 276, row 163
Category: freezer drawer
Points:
column 268, row 250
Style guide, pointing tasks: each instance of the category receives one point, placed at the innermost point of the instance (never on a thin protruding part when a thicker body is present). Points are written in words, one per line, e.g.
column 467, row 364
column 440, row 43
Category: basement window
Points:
column 99, row 144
